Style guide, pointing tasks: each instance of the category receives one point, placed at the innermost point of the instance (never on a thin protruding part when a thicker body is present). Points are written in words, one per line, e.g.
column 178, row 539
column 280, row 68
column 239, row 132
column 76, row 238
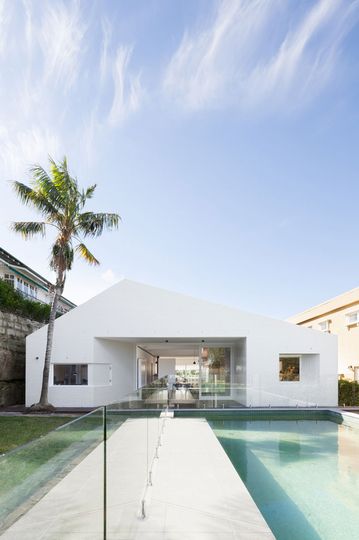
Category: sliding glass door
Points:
column 215, row 371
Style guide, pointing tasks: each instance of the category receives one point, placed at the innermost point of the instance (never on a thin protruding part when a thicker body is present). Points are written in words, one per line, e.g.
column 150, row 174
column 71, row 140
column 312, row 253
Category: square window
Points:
column 324, row 326
column 289, row 368
column 9, row 278
column 70, row 374
column 352, row 318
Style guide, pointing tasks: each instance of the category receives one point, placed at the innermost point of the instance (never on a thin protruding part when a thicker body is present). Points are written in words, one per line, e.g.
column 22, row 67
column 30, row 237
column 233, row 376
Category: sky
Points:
column 225, row 134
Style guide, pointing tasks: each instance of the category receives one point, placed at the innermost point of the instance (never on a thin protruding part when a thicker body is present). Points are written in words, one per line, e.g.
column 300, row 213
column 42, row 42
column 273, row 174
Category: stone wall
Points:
column 13, row 331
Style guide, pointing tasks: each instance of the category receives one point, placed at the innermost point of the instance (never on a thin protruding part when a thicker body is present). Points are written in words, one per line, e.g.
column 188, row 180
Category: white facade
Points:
column 112, row 344
column 28, row 282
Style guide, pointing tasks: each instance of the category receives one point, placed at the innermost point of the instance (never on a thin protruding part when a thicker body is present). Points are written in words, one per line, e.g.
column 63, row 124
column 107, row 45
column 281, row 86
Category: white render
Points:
column 105, row 331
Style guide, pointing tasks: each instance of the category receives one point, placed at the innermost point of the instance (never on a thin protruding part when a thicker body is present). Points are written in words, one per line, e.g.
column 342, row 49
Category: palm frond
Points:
column 22, row 191
column 31, row 196
column 88, row 193
column 58, row 197
column 86, row 254
column 93, row 225
column 62, row 179
column 28, row 229
column 45, row 187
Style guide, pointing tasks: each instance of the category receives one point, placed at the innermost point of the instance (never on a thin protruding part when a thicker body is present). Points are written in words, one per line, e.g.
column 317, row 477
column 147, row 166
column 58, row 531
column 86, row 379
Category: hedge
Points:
column 12, row 301
column 348, row 393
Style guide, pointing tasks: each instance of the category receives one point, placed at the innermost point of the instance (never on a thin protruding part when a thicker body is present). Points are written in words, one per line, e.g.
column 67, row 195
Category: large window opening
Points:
column 70, row 374
column 191, row 371
column 289, row 368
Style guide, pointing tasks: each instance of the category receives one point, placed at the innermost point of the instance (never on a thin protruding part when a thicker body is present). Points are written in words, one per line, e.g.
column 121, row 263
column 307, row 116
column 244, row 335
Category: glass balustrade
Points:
column 93, row 475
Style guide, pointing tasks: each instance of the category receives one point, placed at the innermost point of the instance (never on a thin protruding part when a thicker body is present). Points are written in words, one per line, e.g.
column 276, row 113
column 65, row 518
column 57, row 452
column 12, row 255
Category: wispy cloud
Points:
column 107, row 33
column 4, row 21
column 252, row 51
column 115, row 72
column 127, row 87
column 72, row 85
column 19, row 149
column 61, row 39
column 307, row 57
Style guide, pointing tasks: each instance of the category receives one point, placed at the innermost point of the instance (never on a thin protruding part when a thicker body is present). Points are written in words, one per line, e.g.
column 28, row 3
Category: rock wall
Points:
column 13, row 331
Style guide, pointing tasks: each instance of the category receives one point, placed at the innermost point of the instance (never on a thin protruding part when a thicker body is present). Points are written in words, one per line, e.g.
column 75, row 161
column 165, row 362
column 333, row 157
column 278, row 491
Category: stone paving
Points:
column 196, row 493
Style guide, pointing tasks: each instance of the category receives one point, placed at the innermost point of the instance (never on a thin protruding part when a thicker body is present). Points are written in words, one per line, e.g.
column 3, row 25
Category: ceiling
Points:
column 179, row 349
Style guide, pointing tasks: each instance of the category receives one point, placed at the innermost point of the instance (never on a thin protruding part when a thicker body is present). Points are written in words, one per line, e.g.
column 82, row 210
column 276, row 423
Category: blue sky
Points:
column 224, row 133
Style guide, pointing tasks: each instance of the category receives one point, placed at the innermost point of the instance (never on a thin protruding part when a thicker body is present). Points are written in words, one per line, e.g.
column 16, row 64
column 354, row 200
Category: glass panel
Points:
column 134, row 445
column 215, row 371
column 289, row 367
column 66, row 465
column 70, row 374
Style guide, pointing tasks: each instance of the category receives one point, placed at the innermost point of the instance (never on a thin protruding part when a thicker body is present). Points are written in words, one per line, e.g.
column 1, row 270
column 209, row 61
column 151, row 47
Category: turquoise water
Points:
column 303, row 475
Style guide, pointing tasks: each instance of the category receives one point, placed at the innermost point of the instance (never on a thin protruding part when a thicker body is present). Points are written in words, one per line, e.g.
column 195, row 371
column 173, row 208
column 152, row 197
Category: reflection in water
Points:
column 303, row 475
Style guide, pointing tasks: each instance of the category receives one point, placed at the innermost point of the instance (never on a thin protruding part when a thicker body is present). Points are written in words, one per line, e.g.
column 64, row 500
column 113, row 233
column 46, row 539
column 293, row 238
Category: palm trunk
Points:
column 44, row 397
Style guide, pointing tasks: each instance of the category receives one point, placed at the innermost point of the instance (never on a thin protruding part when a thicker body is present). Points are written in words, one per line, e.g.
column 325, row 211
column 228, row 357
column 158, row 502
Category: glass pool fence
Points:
column 93, row 475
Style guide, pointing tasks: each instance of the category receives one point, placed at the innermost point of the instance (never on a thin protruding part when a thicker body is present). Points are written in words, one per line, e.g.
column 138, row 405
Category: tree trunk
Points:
column 44, row 399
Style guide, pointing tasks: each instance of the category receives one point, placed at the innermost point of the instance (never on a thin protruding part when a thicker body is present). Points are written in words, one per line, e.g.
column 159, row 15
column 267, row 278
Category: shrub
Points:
column 13, row 302
column 348, row 393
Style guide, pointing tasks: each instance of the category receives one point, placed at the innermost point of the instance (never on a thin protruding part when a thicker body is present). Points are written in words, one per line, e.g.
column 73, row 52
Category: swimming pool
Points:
column 303, row 474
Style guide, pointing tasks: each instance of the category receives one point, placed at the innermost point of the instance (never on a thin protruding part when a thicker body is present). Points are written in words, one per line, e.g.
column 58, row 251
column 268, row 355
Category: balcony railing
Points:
column 29, row 296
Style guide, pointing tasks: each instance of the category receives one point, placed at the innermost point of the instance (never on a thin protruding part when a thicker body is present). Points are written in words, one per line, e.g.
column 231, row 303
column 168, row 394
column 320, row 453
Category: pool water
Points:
column 302, row 474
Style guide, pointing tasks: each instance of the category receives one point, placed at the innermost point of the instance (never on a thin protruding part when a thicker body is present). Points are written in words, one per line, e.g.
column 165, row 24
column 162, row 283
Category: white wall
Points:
column 113, row 358
column 318, row 379
column 134, row 312
column 166, row 366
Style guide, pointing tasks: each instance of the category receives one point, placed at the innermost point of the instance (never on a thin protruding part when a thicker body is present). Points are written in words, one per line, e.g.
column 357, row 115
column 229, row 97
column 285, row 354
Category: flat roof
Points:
column 342, row 301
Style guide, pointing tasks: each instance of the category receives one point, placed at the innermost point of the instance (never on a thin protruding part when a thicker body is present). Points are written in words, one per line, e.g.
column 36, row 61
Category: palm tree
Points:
column 59, row 199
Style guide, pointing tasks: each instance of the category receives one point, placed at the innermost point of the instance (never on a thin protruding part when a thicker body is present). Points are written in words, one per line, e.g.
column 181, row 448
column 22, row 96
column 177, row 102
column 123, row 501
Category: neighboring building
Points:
column 127, row 336
column 28, row 282
column 339, row 316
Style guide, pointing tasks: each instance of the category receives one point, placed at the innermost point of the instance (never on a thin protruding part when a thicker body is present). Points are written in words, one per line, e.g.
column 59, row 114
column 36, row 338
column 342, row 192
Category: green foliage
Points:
column 18, row 430
column 348, row 393
column 13, row 302
column 61, row 202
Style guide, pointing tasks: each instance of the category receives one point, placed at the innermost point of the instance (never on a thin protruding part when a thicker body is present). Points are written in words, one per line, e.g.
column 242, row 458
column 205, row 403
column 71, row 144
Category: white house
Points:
column 28, row 282
column 131, row 334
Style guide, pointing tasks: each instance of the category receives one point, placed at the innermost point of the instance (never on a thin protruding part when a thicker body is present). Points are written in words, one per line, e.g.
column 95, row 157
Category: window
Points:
column 324, row 326
column 33, row 291
column 289, row 368
column 352, row 318
column 10, row 279
column 70, row 374
column 25, row 288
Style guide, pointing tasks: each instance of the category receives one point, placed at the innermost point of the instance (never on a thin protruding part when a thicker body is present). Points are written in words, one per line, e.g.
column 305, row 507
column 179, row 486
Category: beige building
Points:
column 339, row 316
